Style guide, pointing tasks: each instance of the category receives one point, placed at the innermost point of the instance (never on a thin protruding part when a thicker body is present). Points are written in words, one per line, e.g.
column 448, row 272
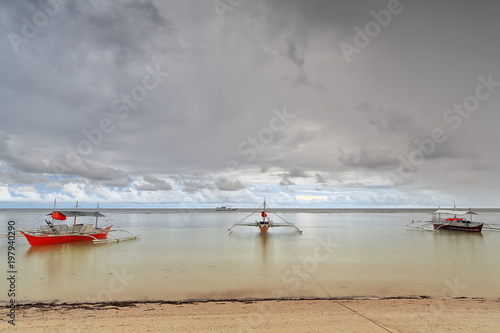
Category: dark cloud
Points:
column 193, row 186
column 264, row 168
column 286, row 181
column 14, row 176
column 295, row 171
column 368, row 158
column 391, row 121
column 220, row 82
column 320, row 178
column 225, row 184
column 116, row 183
column 292, row 55
column 151, row 183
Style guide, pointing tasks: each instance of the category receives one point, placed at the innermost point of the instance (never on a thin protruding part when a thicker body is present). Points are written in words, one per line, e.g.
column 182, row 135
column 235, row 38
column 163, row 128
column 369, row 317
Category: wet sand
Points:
column 419, row 314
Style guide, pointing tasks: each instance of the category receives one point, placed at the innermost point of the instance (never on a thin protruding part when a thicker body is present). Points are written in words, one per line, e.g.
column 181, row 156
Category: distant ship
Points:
column 225, row 209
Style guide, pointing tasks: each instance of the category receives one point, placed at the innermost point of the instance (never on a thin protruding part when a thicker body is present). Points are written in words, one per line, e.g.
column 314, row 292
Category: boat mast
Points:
column 53, row 210
column 76, row 208
column 264, row 215
column 97, row 215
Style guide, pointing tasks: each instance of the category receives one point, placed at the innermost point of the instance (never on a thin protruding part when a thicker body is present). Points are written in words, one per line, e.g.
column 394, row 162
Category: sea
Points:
column 189, row 254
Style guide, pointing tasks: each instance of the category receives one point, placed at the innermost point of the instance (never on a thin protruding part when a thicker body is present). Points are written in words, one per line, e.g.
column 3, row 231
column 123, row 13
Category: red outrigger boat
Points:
column 56, row 233
column 265, row 223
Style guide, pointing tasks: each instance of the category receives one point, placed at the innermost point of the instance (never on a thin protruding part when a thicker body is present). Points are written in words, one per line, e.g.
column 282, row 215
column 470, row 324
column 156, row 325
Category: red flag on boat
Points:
column 58, row 216
column 263, row 214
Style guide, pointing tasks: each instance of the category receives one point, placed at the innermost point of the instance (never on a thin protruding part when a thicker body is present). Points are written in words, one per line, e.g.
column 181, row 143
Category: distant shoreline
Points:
column 147, row 210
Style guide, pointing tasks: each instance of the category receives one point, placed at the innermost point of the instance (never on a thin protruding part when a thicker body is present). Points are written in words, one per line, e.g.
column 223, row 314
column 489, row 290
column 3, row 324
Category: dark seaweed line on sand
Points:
column 121, row 304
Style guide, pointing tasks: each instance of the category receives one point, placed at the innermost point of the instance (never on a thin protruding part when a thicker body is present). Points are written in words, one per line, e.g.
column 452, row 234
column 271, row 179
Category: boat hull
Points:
column 475, row 228
column 47, row 239
column 263, row 229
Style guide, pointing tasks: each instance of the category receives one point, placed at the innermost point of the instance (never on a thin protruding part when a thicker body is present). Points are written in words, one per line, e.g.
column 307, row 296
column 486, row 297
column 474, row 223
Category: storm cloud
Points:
column 175, row 101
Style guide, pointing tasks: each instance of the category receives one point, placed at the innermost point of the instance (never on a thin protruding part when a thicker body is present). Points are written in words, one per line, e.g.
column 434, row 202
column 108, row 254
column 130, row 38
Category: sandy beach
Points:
column 419, row 314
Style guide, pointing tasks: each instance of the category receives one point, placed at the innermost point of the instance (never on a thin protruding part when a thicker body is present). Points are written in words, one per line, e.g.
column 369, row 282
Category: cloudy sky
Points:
column 198, row 103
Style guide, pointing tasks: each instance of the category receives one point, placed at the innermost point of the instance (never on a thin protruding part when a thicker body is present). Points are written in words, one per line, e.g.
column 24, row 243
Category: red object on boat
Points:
column 58, row 216
column 263, row 225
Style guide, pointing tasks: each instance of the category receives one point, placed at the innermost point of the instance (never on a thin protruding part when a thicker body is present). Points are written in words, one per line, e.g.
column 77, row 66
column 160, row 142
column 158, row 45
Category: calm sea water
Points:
column 189, row 254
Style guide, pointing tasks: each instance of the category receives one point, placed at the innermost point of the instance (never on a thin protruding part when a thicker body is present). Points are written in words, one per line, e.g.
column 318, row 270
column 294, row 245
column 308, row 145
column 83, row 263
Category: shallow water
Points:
column 189, row 254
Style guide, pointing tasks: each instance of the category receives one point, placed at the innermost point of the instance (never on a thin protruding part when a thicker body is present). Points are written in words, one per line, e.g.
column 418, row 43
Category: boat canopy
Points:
column 454, row 212
column 73, row 213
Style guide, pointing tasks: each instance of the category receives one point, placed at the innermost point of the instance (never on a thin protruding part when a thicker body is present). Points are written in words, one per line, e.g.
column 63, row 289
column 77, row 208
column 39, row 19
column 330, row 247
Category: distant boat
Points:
column 265, row 223
column 56, row 233
column 225, row 209
column 450, row 221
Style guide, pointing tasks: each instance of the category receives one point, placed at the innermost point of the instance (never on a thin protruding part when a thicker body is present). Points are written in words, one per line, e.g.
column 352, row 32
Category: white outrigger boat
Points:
column 452, row 220
column 266, row 221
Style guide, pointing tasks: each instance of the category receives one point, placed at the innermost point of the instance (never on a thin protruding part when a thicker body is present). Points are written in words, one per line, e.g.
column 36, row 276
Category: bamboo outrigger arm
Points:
column 115, row 239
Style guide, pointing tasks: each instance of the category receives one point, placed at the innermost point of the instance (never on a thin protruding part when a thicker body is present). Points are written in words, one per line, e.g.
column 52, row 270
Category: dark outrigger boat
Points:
column 445, row 219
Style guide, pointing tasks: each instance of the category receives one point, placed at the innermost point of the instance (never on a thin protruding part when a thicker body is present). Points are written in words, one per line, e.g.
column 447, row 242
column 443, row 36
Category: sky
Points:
column 333, row 104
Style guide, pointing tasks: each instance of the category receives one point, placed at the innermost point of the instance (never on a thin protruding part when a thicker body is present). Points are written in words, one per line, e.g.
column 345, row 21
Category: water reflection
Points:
column 264, row 238
column 57, row 248
column 458, row 241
